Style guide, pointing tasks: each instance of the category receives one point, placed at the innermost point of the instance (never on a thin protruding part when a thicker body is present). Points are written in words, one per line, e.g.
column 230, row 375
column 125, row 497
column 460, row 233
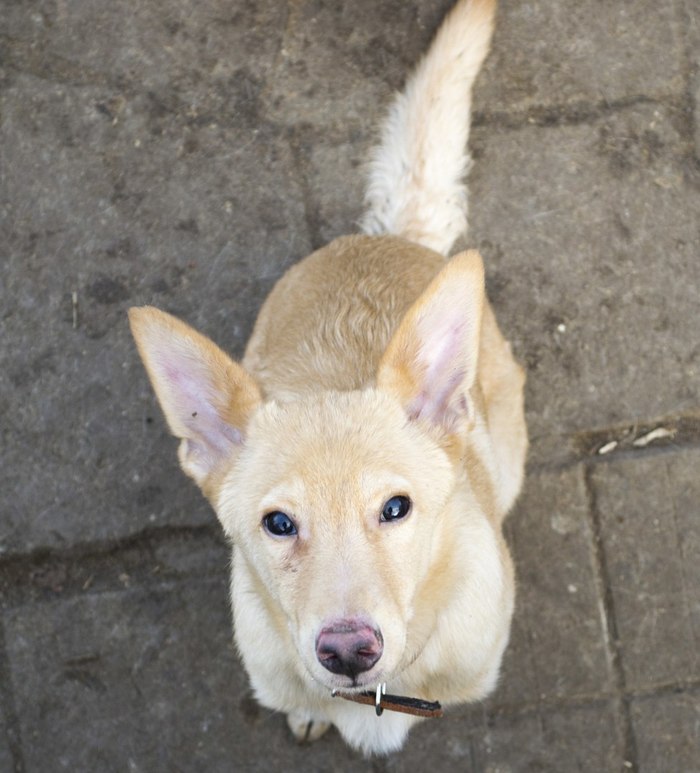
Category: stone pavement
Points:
column 183, row 154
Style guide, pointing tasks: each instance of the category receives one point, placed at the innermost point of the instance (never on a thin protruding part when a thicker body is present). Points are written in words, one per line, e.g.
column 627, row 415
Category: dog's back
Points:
column 327, row 322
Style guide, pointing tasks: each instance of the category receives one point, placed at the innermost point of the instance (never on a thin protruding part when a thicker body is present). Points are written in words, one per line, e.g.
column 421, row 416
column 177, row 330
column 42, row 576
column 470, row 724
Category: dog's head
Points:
column 340, row 502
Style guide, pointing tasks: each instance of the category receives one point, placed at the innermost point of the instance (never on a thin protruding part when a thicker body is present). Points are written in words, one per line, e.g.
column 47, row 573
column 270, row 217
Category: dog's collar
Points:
column 380, row 700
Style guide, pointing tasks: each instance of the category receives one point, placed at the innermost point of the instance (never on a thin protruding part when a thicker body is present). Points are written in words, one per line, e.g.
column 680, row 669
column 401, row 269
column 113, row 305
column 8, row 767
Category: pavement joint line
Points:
column 379, row 765
column 13, row 733
column 526, row 708
column 690, row 71
column 664, row 688
column 146, row 537
column 311, row 213
column 130, row 584
column 294, row 8
column 584, row 446
column 564, row 463
column 551, row 702
column 678, row 431
column 57, row 69
column 568, row 114
column 473, row 756
column 64, row 72
column 609, row 620
column 54, row 68
column 97, row 567
column 686, row 584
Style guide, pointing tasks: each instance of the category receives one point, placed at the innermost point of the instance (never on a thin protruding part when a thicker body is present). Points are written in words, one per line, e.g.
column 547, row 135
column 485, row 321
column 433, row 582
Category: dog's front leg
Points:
column 305, row 726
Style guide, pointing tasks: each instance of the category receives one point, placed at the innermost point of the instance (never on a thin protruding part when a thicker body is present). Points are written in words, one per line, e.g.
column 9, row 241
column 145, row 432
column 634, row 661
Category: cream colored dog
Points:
column 363, row 455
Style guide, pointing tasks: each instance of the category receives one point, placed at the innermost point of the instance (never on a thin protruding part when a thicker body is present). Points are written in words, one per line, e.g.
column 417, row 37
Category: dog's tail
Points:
column 416, row 184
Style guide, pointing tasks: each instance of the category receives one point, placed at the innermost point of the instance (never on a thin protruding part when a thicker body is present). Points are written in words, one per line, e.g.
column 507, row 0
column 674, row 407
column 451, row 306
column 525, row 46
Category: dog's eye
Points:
column 279, row 524
column 395, row 508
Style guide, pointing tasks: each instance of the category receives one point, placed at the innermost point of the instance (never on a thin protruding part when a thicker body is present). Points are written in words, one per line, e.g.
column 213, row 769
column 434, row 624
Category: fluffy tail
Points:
column 416, row 184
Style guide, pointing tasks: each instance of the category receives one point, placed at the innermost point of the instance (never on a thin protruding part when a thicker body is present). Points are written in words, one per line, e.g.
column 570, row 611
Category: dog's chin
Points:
column 340, row 683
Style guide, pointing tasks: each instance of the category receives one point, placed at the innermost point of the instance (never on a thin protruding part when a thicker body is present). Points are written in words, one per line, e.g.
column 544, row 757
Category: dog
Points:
column 363, row 454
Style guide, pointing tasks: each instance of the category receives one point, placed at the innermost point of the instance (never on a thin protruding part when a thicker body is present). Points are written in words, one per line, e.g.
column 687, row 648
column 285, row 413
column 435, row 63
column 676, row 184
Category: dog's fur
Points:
column 375, row 369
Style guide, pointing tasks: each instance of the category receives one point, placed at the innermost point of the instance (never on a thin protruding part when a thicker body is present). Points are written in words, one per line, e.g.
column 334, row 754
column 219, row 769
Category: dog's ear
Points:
column 431, row 361
column 206, row 397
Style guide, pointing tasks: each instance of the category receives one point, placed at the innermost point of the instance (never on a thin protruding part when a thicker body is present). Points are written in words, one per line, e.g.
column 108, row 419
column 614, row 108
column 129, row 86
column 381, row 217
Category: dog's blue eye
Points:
column 279, row 524
column 395, row 508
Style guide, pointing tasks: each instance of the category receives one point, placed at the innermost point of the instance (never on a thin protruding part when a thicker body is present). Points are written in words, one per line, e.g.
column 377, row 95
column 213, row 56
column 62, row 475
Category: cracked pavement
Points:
column 184, row 155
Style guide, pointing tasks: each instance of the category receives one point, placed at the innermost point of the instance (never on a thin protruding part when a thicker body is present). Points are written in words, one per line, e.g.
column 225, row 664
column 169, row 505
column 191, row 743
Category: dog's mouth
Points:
column 359, row 683
column 355, row 683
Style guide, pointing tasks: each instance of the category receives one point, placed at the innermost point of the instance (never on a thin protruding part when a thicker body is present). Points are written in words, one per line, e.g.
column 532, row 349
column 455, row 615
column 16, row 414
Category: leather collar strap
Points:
column 415, row 706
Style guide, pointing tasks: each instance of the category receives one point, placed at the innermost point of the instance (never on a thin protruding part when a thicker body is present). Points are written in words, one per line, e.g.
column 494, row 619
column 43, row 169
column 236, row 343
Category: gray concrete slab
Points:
column 327, row 158
column 667, row 728
column 194, row 48
column 6, row 757
column 340, row 61
column 649, row 513
column 559, row 643
column 575, row 52
column 691, row 29
column 147, row 679
column 696, row 114
column 139, row 219
column 144, row 680
column 566, row 738
column 597, row 283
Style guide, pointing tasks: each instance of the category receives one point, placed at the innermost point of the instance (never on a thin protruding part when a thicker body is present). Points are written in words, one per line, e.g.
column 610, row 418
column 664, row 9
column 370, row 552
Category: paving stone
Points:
column 571, row 738
column 589, row 235
column 649, row 514
column 210, row 58
column 113, row 215
column 6, row 756
column 696, row 113
column 574, row 51
column 558, row 643
column 336, row 176
column 667, row 732
column 146, row 680
column 191, row 556
column 565, row 738
column 340, row 62
column 438, row 744
column 692, row 45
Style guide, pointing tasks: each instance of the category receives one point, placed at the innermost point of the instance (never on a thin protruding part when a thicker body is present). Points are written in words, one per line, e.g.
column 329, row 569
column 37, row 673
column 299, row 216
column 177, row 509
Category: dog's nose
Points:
column 349, row 647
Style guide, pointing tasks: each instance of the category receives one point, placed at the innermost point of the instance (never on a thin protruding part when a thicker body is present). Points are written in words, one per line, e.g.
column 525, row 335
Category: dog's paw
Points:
column 305, row 728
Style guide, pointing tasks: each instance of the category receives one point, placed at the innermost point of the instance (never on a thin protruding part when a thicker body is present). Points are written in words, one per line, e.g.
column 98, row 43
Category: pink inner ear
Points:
column 435, row 405
column 443, row 349
column 196, row 405
column 443, row 364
